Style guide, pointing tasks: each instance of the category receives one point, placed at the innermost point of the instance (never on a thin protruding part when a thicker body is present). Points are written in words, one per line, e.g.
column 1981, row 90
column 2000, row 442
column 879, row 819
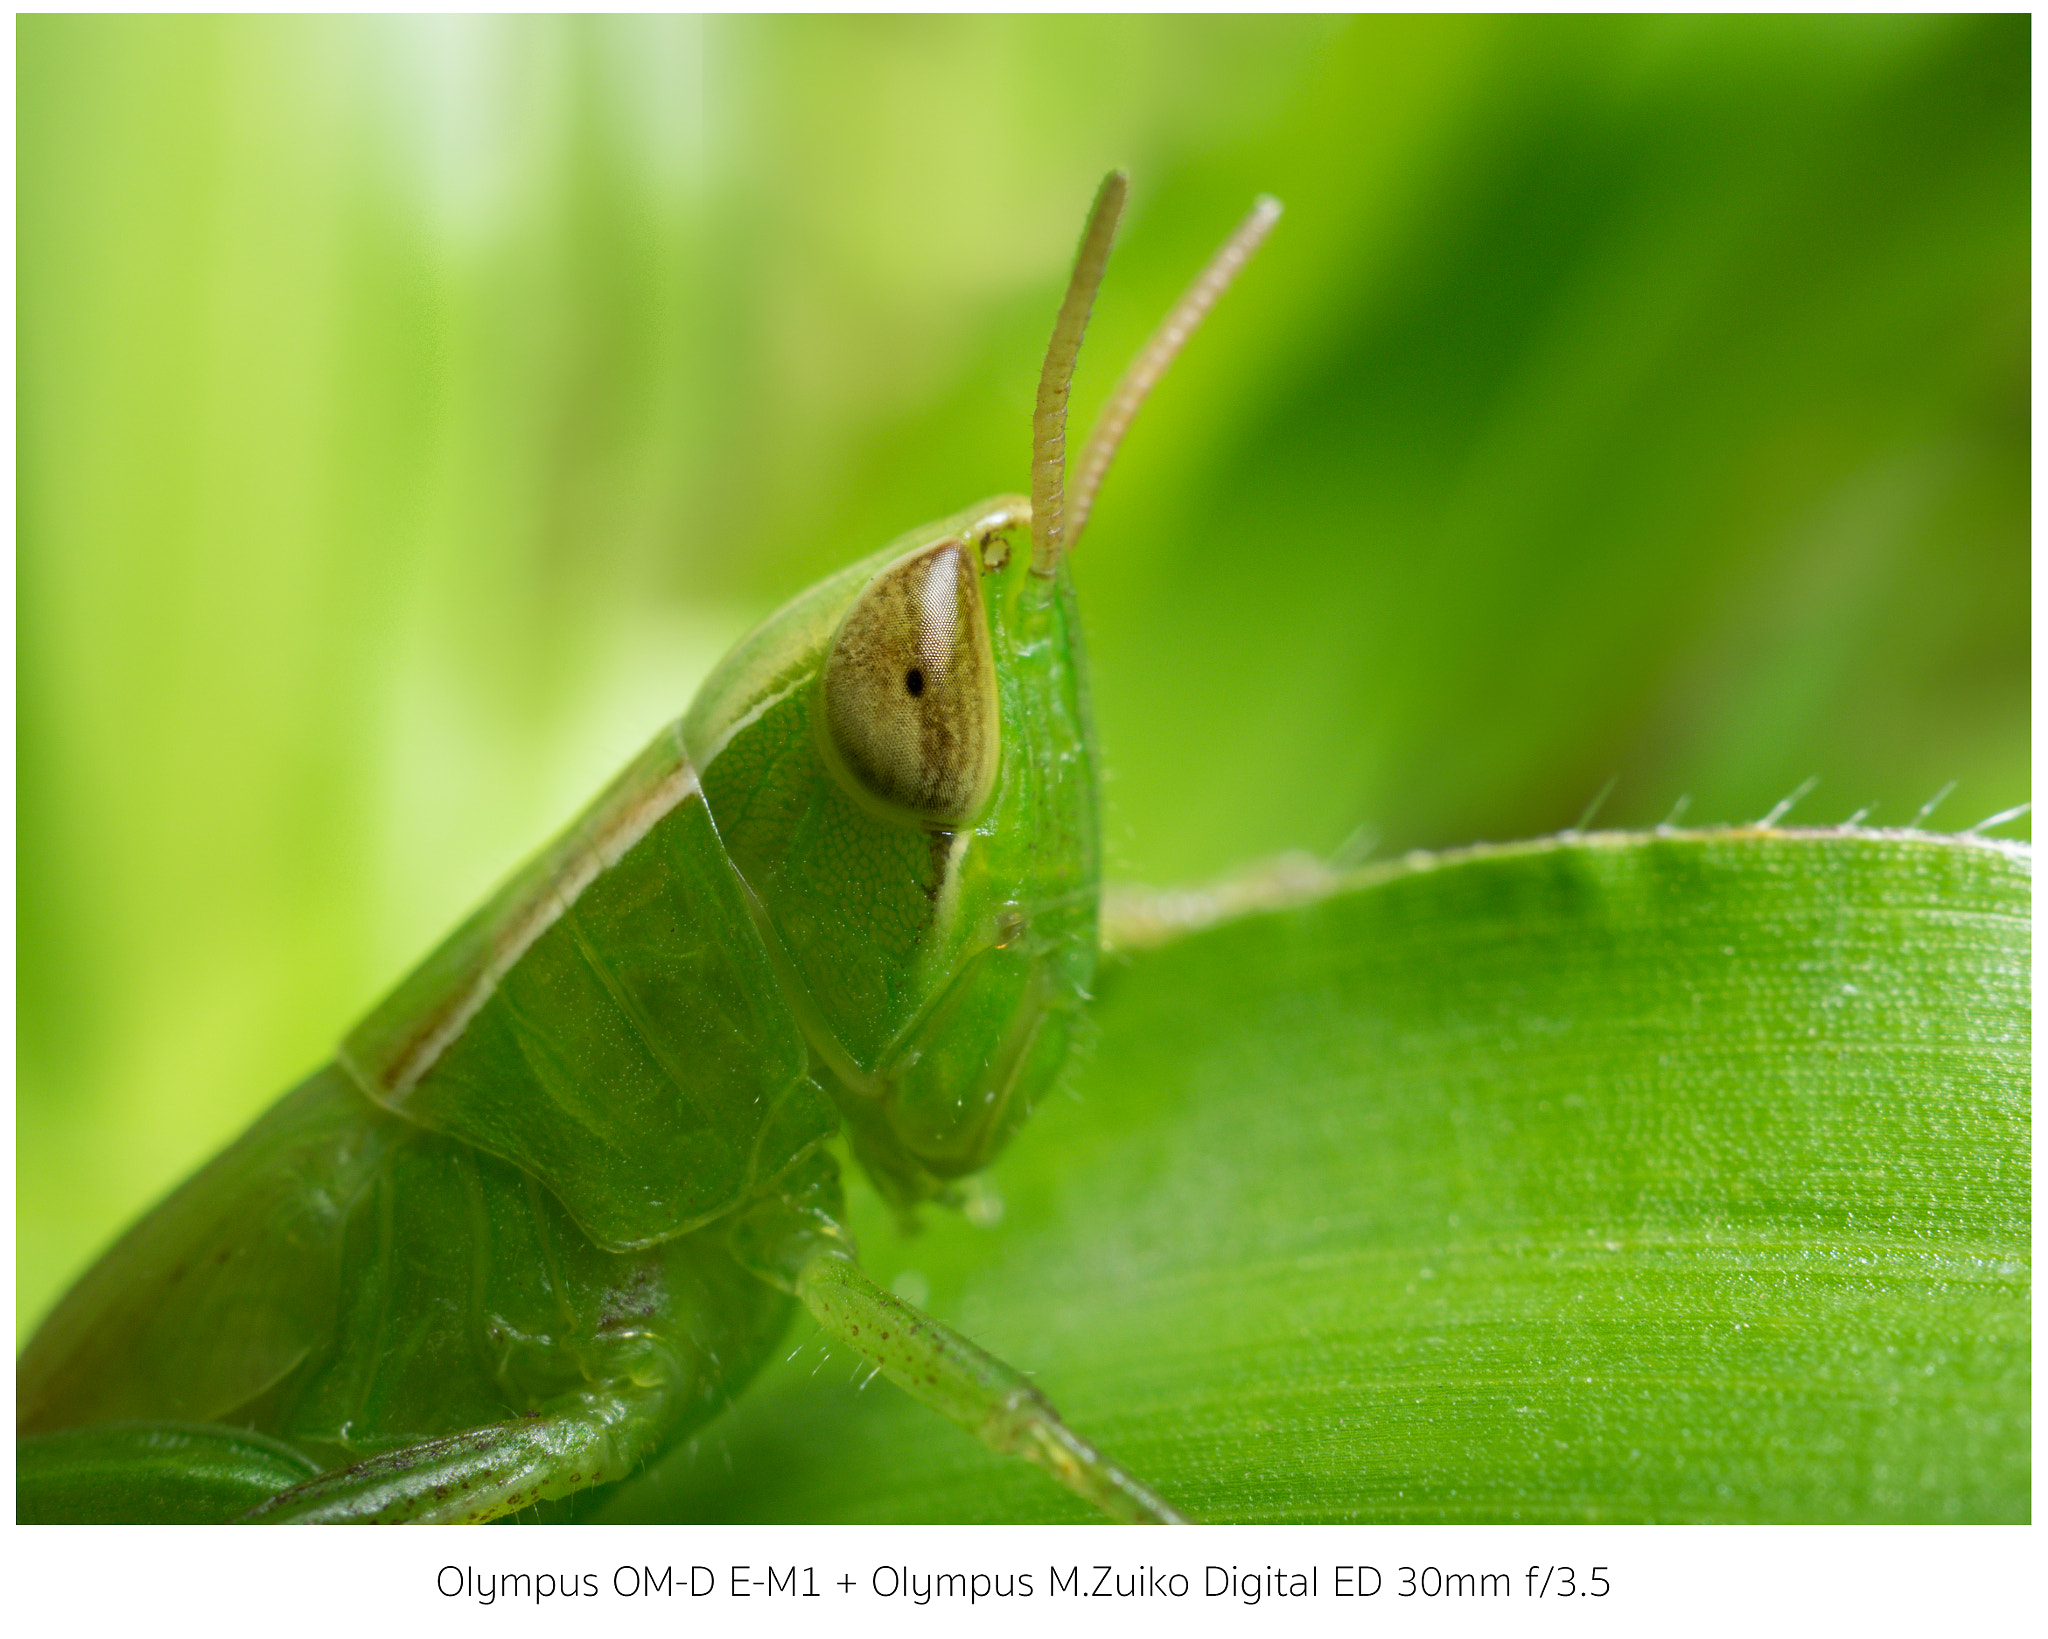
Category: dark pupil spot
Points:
column 913, row 680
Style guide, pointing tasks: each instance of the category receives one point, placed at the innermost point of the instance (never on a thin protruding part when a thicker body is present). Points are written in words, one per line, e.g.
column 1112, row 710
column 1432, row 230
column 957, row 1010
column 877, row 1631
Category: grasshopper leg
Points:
column 481, row 1473
column 989, row 1399
column 149, row 1473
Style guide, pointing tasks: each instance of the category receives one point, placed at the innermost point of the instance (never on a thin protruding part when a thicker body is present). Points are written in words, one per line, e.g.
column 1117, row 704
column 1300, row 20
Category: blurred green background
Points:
column 410, row 410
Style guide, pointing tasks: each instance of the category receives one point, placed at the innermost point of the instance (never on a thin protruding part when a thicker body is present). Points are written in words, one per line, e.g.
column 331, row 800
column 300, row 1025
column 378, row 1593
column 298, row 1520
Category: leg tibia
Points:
column 993, row 1401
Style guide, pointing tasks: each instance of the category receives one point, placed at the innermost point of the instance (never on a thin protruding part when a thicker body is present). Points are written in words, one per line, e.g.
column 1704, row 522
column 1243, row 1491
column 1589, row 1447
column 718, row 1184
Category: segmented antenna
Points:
column 1049, row 421
column 1160, row 351
column 1055, row 529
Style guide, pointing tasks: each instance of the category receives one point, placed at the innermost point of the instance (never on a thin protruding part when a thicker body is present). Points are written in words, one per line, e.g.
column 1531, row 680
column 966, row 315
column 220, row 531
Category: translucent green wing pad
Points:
column 609, row 1022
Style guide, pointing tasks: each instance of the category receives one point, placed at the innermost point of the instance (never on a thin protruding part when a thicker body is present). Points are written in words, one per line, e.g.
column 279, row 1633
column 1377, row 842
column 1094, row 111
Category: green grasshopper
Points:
column 547, row 1210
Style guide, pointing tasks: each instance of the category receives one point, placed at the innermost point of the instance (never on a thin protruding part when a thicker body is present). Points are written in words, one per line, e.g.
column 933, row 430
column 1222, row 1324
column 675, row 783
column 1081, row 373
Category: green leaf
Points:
column 1667, row 1176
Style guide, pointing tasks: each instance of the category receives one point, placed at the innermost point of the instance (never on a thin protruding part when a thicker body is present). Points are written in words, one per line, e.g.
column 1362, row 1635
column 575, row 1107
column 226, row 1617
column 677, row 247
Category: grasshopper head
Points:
column 902, row 769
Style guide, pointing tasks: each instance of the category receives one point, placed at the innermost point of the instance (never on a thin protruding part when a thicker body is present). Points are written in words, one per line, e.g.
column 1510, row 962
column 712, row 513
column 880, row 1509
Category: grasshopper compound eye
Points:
column 910, row 689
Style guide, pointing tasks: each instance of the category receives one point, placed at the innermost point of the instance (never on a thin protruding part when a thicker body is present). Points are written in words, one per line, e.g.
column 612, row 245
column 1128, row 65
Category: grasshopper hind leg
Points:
column 482, row 1473
column 144, row 1473
column 199, row 1474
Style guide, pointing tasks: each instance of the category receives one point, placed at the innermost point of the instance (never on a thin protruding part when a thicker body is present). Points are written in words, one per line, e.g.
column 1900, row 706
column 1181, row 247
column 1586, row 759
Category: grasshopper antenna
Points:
column 1160, row 351
column 1049, row 420
column 1057, row 519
